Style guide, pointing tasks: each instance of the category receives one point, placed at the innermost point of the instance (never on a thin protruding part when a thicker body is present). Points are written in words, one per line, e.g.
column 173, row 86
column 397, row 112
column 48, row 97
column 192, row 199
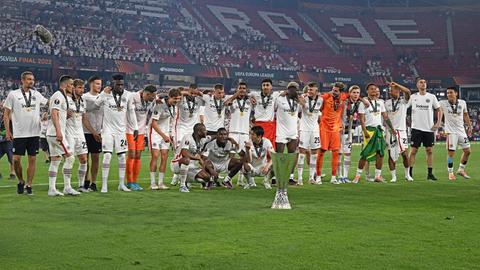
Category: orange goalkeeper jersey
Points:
column 332, row 112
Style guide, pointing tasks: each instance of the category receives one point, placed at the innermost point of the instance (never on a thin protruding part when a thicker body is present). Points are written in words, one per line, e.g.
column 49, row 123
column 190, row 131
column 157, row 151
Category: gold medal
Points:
column 242, row 113
column 29, row 109
column 292, row 113
column 119, row 109
column 310, row 114
column 190, row 115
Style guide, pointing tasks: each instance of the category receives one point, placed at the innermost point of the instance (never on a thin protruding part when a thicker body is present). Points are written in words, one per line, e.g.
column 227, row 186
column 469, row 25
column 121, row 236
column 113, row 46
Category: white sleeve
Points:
column 361, row 108
column 435, row 103
column 465, row 110
column 56, row 103
column 409, row 103
column 100, row 100
column 156, row 112
column 131, row 115
column 43, row 101
column 8, row 102
column 382, row 107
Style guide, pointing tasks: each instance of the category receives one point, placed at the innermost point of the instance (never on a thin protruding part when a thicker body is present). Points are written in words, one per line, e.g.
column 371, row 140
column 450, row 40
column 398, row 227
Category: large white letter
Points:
column 364, row 38
column 290, row 23
column 241, row 21
column 392, row 34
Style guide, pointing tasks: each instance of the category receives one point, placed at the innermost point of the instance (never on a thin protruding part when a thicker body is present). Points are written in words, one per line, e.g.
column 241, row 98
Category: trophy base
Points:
column 281, row 200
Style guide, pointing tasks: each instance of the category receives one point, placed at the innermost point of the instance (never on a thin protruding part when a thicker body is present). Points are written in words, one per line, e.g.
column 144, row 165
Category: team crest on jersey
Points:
column 56, row 101
column 427, row 100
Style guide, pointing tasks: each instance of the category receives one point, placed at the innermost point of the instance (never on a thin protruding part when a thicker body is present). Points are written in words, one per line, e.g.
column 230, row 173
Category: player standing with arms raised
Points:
column 397, row 142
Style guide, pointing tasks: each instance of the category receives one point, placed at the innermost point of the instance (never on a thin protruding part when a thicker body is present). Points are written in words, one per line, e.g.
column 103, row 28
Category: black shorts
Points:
column 30, row 145
column 93, row 146
column 44, row 145
column 6, row 148
column 422, row 137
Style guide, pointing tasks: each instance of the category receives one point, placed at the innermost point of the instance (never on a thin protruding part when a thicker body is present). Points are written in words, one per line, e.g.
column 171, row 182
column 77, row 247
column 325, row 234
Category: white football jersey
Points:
column 265, row 106
column 188, row 143
column 373, row 114
column 423, row 107
column 216, row 153
column 59, row 101
column 141, row 109
column 397, row 113
column 453, row 114
column 93, row 113
column 214, row 112
column 114, row 118
column 310, row 114
column 74, row 123
column 25, row 119
column 287, row 117
column 189, row 113
column 259, row 153
column 240, row 116
column 165, row 116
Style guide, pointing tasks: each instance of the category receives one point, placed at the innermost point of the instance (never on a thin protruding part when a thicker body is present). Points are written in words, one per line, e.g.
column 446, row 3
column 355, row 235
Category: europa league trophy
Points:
column 282, row 166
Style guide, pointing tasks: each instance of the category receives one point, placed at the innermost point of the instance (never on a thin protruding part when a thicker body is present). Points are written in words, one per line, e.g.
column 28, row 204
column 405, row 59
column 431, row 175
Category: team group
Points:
column 213, row 133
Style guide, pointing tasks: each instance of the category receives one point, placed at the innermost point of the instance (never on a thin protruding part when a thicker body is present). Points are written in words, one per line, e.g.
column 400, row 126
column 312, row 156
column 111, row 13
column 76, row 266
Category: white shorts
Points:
column 256, row 170
column 57, row 148
column 193, row 169
column 346, row 146
column 309, row 140
column 182, row 133
column 117, row 142
column 282, row 138
column 78, row 144
column 401, row 143
column 157, row 142
column 221, row 167
column 457, row 140
column 240, row 138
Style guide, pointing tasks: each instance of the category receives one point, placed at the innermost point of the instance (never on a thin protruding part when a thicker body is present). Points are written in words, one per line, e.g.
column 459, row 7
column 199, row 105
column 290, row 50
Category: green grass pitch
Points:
column 419, row 225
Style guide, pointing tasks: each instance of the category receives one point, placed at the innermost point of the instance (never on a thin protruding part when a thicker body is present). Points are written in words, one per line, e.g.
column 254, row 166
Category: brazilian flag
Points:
column 375, row 144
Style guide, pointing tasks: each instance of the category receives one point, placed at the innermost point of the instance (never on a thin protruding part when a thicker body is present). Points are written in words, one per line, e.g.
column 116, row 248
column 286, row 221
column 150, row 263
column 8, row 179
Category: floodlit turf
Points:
column 420, row 225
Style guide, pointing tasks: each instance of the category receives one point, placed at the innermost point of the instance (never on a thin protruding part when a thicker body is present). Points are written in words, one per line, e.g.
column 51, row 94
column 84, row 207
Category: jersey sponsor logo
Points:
column 423, row 107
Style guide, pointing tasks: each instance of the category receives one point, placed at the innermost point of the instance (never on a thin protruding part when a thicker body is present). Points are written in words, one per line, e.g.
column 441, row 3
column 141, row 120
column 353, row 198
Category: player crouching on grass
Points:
column 188, row 161
column 258, row 161
column 374, row 141
column 219, row 158
column 456, row 117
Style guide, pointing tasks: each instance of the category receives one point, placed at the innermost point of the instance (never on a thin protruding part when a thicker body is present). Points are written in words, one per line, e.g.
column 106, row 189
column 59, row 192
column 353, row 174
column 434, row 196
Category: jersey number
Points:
column 84, row 145
column 404, row 140
column 122, row 143
column 316, row 140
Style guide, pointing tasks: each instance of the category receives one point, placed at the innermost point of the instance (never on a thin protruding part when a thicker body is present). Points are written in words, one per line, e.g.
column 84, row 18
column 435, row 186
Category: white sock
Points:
column 122, row 165
column 228, row 179
column 394, row 174
column 161, row 175
column 313, row 165
column 291, row 176
column 407, row 172
column 378, row 173
column 240, row 179
column 300, row 162
column 359, row 172
column 67, row 172
column 106, row 168
column 183, row 174
column 462, row 167
column 339, row 166
column 346, row 165
column 52, row 174
column 152, row 178
column 82, row 171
